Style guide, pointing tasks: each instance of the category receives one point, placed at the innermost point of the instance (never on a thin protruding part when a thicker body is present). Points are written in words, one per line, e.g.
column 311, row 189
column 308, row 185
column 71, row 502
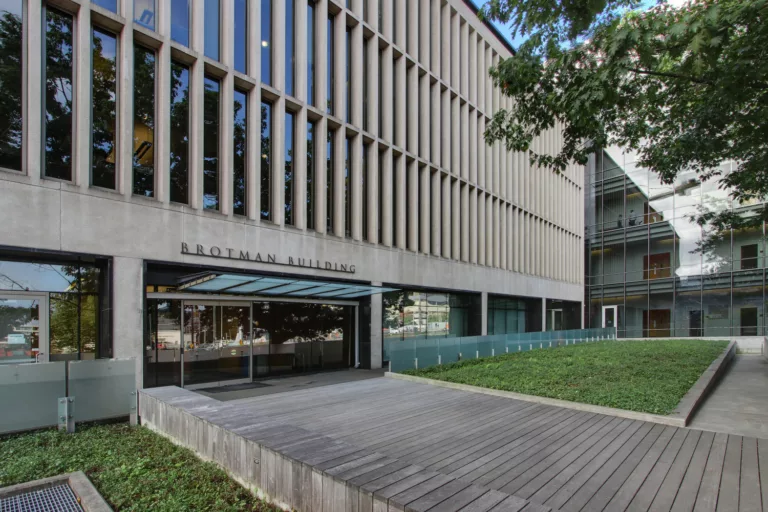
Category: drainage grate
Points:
column 58, row 498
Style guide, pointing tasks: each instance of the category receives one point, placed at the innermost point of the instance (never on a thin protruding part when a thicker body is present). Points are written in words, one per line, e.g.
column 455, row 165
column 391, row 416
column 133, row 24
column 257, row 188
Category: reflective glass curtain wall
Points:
column 654, row 269
column 411, row 314
column 11, row 62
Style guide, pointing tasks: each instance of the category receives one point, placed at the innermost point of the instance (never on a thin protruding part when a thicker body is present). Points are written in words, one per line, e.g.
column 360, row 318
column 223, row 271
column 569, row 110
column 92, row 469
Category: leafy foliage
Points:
column 132, row 467
column 686, row 88
column 646, row 376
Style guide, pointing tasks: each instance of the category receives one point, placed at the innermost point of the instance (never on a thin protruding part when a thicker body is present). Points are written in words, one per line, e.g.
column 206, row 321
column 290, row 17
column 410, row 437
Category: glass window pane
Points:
column 348, row 86
column 329, row 72
column 58, row 95
column 716, row 300
column 212, row 12
column 11, row 79
column 73, row 328
column 110, row 5
column 180, row 21
column 310, row 213
column 290, row 52
column 347, row 195
column 104, row 107
column 266, row 41
column 211, row 144
column 364, row 191
column 329, row 183
column 162, row 361
column 289, row 145
column 144, row 13
column 240, row 144
column 179, row 165
column 311, row 52
column 241, row 37
column 143, row 121
column 266, row 159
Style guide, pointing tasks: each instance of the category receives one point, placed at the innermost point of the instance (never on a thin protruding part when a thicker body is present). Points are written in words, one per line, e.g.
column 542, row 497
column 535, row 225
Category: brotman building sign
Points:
column 227, row 253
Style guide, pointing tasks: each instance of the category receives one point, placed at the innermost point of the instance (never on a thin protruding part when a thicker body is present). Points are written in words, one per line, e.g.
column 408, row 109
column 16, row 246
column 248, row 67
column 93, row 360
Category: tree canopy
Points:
column 686, row 87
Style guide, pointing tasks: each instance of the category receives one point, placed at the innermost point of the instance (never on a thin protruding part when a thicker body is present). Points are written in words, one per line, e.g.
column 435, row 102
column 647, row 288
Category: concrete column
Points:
column 412, row 116
column 425, row 105
column 253, row 133
column 81, row 108
column 372, row 184
column 128, row 300
column 435, row 129
column 400, row 114
column 32, row 127
column 435, row 29
column 124, row 167
column 226, row 113
column 445, row 129
column 299, row 158
column 436, row 213
column 455, row 51
column 321, row 56
column 501, row 216
column 377, row 338
column 464, row 58
column 423, row 29
column 471, row 70
column 472, row 144
column 387, row 83
column 356, row 186
column 543, row 314
column 398, row 202
column 413, row 29
column 481, row 228
column 445, row 44
column 387, row 197
column 484, row 314
column 482, row 76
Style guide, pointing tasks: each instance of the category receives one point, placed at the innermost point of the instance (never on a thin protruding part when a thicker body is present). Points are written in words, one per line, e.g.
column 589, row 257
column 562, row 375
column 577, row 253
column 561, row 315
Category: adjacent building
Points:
column 228, row 189
column 653, row 271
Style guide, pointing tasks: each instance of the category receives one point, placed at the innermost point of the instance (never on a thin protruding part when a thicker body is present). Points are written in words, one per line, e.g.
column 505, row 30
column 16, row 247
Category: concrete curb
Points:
column 89, row 498
column 680, row 418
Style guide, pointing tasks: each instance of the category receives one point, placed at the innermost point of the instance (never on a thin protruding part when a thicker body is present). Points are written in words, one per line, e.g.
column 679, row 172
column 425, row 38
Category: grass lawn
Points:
column 132, row 467
column 646, row 376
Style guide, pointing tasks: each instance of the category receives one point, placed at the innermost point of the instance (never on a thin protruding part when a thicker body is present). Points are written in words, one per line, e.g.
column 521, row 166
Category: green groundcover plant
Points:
column 132, row 467
column 646, row 376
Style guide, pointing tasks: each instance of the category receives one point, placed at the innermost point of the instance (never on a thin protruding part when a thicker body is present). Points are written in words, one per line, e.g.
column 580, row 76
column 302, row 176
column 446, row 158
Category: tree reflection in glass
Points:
column 289, row 171
column 240, row 141
column 104, row 104
column 143, row 121
column 58, row 95
column 266, row 159
column 179, row 164
column 10, row 84
column 211, row 144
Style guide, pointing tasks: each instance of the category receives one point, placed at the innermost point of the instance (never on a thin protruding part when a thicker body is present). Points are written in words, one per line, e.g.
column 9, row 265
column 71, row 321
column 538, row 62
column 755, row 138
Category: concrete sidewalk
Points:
column 739, row 403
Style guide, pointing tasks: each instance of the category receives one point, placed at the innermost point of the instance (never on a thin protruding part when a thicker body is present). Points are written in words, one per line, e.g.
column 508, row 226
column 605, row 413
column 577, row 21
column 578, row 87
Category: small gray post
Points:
column 493, row 352
column 506, row 349
column 550, row 344
column 67, row 414
column 519, row 348
column 416, row 362
column 541, row 344
column 459, row 356
column 477, row 354
column 530, row 346
column 134, row 416
column 389, row 364
column 439, row 359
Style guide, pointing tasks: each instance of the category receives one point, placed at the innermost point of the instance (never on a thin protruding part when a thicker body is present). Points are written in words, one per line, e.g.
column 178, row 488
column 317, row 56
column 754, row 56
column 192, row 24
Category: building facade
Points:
column 226, row 189
column 653, row 271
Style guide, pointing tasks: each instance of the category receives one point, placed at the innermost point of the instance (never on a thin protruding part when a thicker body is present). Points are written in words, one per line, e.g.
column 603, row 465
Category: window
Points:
column 310, row 213
column 241, row 37
column 656, row 266
column 329, row 71
column 311, row 52
column 364, row 191
column 266, row 41
column 103, row 108
column 329, row 182
column 347, row 195
column 749, row 257
column 289, row 170
column 143, row 121
column 211, row 44
column 290, row 44
column 348, row 87
column 266, row 159
column 11, row 64
column 211, row 144
column 58, row 95
column 239, row 172
column 180, row 21
column 144, row 13
column 179, row 164
column 365, row 87
column 110, row 5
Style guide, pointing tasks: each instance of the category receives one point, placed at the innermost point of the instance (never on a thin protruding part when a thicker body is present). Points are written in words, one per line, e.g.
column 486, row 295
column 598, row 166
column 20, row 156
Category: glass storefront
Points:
column 513, row 314
column 653, row 270
column 411, row 314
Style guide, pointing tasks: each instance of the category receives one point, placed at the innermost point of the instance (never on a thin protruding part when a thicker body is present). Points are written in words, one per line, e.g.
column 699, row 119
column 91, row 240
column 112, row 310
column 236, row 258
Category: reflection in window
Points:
column 144, row 13
column 266, row 41
column 73, row 326
column 348, row 86
column 179, row 164
column 310, row 214
column 329, row 183
column 239, row 174
column 365, row 87
column 266, row 159
column 409, row 314
column 289, row 170
column 329, row 72
column 290, row 52
column 211, row 144
column 211, row 43
column 110, row 5
column 347, row 198
column 180, row 21
column 104, row 107
column 241, row 36
column 162, row 343
column 311, row 52
column 143, row 121
column 364, row 191
column 58, row 95
column 11, row 65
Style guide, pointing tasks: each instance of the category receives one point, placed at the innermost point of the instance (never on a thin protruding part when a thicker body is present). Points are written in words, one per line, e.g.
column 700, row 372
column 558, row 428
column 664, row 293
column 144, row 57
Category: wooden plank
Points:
column 511, row 504
column 728, row 499
column 706, row 500
column 749, row 486
column 387, row 480
column 437, row 496
column 762, row 459
column 403, row 485
column 485, row 502
column 417, row 491
column 460, row 500
column 665, row 496
column 379, row 472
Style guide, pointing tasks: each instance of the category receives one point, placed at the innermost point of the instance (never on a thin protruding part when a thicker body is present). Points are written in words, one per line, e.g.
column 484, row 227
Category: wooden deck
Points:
column 419, row 447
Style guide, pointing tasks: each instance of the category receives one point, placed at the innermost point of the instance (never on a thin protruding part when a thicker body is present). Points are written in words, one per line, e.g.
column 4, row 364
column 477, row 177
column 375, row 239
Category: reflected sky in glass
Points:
column 144, row 13
column 290, row 53
column 180, row 21
column 212, row 29
column 110, row 5
column 241, row 36
column 266, row 41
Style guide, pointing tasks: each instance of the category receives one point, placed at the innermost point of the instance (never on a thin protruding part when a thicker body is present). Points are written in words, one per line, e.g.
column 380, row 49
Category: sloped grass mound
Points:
column 645, row 376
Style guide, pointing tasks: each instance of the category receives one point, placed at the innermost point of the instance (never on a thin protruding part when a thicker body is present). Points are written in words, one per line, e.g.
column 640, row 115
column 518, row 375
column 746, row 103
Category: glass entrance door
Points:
column 610, row 316
column 555, row 320
column 23, row 328
column 217, row 342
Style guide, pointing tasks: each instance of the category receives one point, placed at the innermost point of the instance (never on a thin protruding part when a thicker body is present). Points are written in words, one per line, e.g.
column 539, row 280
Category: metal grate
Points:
column 58, row 498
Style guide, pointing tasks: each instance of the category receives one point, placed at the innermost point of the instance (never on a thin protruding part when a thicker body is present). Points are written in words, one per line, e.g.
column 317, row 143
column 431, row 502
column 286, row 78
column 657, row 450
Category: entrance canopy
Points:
column 241, row 284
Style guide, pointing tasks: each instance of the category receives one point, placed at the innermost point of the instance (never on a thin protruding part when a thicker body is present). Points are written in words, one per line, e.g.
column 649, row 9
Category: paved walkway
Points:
column 739, row 403
column 434, row 449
